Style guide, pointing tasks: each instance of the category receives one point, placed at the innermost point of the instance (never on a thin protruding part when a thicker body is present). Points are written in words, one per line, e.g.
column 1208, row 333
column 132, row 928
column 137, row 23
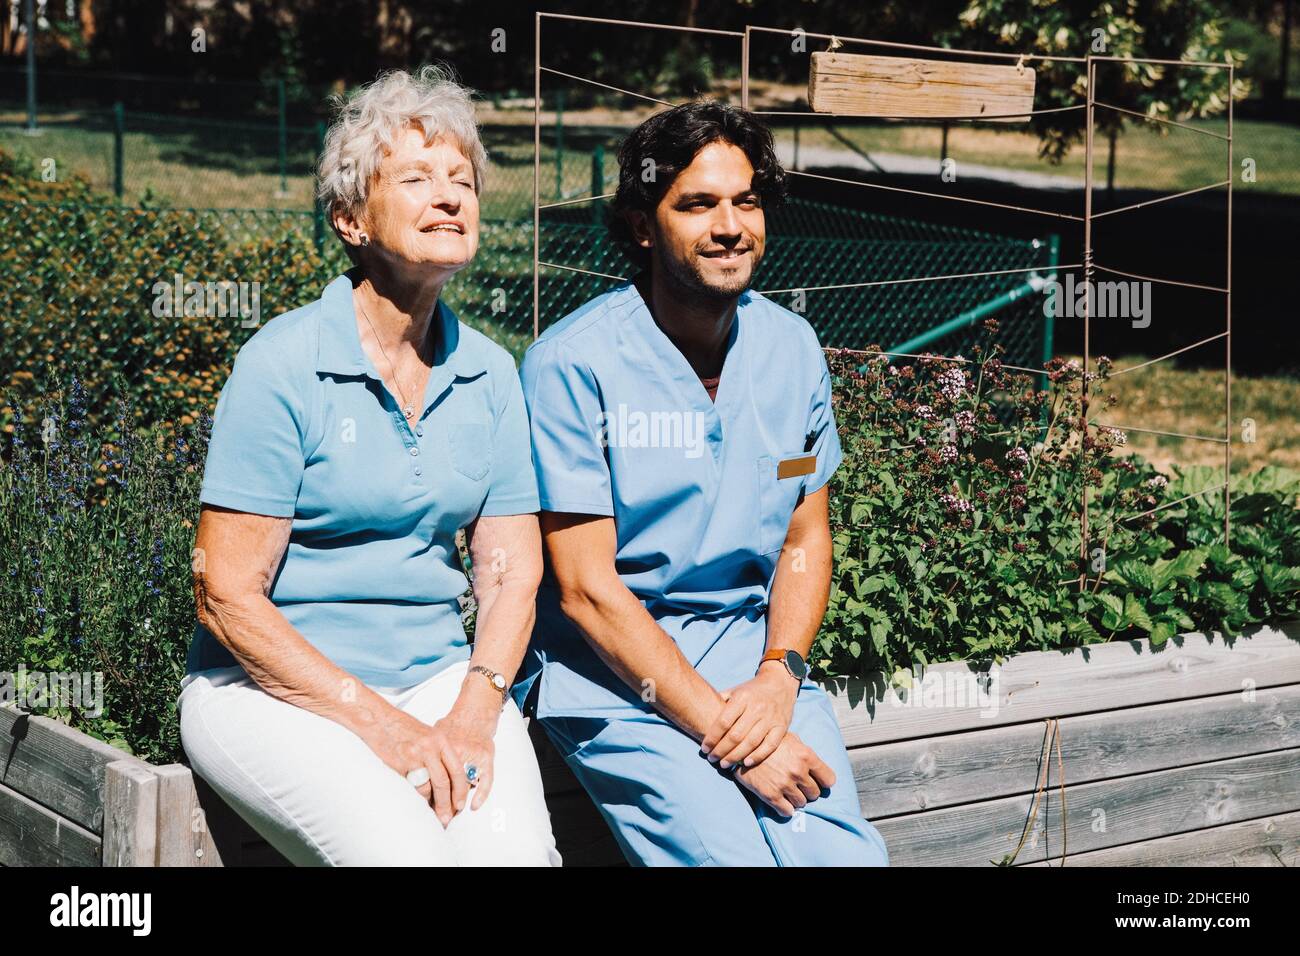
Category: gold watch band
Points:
column 498, row 681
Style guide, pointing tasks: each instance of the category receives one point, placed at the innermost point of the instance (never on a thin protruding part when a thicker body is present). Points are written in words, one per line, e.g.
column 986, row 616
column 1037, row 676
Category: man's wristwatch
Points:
column 498, row 681
column 794, row 662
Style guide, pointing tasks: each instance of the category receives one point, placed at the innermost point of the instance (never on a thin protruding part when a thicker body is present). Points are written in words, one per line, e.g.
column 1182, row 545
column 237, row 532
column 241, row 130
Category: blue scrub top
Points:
column 305, row 429
column 622, row 426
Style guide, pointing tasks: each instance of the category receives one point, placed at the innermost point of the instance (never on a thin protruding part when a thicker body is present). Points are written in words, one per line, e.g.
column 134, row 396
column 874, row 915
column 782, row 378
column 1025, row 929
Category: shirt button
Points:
column 419, row 430
column 418, row 472
column 414, row 451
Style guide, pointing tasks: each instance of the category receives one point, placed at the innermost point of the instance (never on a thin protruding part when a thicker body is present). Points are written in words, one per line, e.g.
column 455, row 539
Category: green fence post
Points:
column 284, row 139
column 319, row 214
column 559, row 144
column 119, row 129
column 597, row 180
column 30, row 21
column 1049, row 320
column 1049, row 327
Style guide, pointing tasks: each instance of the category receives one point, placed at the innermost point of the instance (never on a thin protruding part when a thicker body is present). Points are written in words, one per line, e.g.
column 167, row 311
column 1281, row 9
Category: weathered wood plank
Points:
column 1267, row 841
column 932, row 772
column 1107, row 813
column 232, row 839
column 873, row 85
column 1040, row 684
column 56, row 766
column 183, row 835
column 130, row 814
column 33, row 835
column 977, row 769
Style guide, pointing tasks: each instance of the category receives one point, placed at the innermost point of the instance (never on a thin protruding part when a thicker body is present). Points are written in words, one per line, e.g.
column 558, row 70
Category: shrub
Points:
column 82, row 276
column 955, row 520
column 96, row 530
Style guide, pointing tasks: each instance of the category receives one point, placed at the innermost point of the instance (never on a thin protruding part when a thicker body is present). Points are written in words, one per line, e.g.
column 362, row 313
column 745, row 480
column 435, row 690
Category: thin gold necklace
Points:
column 407, row 408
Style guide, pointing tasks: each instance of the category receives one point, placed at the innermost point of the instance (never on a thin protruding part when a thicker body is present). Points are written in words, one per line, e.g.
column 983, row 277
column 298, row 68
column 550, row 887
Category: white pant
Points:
column 318, row 794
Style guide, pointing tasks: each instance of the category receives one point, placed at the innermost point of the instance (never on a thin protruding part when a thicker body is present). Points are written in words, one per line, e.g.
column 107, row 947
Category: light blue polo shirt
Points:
column 701, row 492
column 305, row 429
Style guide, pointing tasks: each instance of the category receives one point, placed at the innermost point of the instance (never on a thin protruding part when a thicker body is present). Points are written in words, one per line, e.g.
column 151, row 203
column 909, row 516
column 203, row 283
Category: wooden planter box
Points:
column 1185, row 755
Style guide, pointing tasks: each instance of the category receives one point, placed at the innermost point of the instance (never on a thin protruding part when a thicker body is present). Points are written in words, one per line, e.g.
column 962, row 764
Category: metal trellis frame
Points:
column 1089, row 266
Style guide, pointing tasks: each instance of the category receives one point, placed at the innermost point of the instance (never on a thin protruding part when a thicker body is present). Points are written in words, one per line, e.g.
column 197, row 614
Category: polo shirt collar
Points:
column 340, row 349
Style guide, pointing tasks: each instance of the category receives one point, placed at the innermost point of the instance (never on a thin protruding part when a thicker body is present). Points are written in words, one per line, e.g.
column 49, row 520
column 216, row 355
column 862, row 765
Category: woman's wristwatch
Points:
column 498, row 681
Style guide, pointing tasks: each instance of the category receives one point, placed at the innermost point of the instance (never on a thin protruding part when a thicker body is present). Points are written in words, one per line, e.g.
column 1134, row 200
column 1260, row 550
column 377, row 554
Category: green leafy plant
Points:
column 96, row 530
column 956, row 529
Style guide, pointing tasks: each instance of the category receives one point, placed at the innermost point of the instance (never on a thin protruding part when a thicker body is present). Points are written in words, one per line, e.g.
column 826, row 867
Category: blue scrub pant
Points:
column 668, row 805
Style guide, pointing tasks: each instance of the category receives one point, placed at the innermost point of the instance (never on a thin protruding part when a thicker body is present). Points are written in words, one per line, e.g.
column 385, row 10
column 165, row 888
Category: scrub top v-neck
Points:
column 306, row 429
column 622, row 426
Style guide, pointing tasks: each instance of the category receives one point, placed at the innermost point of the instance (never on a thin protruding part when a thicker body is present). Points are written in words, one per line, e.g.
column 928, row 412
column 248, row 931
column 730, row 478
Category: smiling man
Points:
column 685, row 581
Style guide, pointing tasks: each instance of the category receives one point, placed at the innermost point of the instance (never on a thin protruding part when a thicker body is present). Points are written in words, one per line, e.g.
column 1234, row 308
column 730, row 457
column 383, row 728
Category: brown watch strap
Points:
column 780, row 654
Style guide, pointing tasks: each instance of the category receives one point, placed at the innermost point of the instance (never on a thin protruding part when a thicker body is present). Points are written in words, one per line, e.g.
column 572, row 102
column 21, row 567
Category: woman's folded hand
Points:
column 463, row 737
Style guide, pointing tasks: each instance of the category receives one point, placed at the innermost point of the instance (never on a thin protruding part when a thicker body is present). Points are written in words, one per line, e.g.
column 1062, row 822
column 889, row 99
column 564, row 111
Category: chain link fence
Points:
column 102, row 281
column 812, row 246
column 182, row 161
column 154, row 303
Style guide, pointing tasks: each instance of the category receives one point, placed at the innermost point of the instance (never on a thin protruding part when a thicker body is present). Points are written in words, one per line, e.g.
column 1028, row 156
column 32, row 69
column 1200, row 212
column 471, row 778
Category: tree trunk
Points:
column 1283, row 68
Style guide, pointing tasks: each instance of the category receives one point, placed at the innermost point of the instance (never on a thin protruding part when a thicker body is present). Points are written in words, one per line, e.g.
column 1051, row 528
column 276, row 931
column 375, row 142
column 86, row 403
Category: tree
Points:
column 1151, row 29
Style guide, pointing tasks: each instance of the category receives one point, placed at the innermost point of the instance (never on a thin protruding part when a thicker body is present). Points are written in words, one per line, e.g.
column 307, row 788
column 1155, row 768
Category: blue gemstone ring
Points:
column 471, row 773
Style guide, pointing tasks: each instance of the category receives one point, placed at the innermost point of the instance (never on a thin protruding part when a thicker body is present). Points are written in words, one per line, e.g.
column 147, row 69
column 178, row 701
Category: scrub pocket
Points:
column 572, row 735
column 470, row 444
column 776, row 500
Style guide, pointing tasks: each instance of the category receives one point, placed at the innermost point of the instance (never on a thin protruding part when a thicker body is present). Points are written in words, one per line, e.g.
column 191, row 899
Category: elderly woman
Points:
column 331, row 696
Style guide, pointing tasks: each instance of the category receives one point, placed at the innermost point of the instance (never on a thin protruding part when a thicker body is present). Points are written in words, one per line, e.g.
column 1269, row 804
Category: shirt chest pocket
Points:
column 777, row 496
column 469, row 446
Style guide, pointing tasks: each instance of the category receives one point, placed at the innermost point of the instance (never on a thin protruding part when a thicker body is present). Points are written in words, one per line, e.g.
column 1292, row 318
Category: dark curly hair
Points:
column 672, row 138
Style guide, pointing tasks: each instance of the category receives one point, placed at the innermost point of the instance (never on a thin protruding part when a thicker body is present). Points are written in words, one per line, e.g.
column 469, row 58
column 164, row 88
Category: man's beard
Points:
column 691, row 280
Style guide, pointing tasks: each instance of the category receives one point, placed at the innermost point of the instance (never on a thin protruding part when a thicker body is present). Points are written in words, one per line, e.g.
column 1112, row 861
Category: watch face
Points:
column 797, row 667
column 499, row 681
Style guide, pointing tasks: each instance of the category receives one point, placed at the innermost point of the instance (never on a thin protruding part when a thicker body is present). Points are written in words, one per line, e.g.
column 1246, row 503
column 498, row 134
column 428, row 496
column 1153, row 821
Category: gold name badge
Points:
column 792, row 467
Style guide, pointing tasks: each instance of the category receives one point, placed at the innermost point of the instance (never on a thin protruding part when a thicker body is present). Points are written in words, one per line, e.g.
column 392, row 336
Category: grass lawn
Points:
column 1164, row 397
column 198, row 165
column 1148, row 155
column 211, row 166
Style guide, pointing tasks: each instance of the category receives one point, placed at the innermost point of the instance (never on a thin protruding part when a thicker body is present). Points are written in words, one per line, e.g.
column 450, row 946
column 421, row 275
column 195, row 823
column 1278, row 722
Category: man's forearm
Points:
column 628, row 640
column 800, row 590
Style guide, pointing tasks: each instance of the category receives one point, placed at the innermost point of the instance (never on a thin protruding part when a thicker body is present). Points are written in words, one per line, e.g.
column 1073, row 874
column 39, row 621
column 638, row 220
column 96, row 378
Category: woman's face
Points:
column 422, row 209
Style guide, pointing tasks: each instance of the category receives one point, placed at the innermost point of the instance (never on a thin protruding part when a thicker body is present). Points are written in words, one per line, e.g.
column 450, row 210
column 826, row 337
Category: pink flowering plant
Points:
column 955, row 519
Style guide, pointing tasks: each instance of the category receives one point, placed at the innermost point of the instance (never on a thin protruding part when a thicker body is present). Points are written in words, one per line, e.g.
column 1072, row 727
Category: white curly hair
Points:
column 373, row 116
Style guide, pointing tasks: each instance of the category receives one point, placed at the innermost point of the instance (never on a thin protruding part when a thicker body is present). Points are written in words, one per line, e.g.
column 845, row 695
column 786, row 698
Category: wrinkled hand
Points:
column 464, row 736
column 792, row 777
column 753, row 720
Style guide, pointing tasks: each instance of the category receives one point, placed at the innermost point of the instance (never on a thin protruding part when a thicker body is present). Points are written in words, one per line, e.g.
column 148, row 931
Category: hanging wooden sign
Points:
column 905, row 86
